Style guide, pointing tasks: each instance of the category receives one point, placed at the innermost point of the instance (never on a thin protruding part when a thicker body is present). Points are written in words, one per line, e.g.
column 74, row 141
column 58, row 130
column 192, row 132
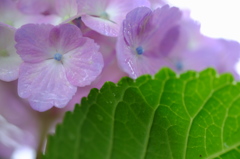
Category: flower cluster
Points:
column 57, row 50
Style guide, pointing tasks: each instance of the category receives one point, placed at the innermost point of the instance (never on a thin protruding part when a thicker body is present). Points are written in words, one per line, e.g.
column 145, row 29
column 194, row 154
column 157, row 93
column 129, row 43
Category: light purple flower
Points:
column 56, row 61
column 34, row 6
column 194, row 51
column 62, row 11
column 105, row 16
column 11, row 15
column 222, row 55
column 9, row 59
column 139, row 43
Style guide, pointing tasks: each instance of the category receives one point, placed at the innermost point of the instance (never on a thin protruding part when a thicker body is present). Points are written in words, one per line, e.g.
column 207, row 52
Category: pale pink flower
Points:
column 56, row 61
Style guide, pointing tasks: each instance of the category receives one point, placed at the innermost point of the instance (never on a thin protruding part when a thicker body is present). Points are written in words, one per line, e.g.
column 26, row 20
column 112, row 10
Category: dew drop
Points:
column 104, row 15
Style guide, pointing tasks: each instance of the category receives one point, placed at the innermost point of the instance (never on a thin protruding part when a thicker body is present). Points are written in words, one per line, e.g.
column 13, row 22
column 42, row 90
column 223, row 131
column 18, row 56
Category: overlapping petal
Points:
column 83, row 64
column 135, row 25
column 106, row 16
column 103, row 26
column 111, row 72
column 140, row 47
column 65, row 38
column 33, row 42
column 66, row 9
column 106, row 43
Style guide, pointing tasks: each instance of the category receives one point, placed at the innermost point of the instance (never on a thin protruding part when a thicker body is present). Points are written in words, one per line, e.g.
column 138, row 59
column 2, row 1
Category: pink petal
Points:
column 9, row 59
column 9, row 12
column 38, row 19
column 117, row 10
column 106, row 43
column 100, row 25
column 33, row 6
column 145, row 29
column 135, row 65
column 135, row 24
column 65, row 37
column 9, row 67
column 165, row 17
column 83, row 64
column 161, row 21
column 66, row 8
column 110, row 73
column 33, row 43
column 45, row 85
column 91, row 7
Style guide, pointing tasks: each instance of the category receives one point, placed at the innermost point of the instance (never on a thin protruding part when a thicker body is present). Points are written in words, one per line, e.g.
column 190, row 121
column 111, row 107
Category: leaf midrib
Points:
column 224, row 151
column 78, row 136
column 146, row 142
column 109, row 155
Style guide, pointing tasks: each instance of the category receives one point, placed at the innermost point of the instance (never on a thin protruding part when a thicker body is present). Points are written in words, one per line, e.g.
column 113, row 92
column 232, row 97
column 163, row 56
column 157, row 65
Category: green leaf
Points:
column 192, row 116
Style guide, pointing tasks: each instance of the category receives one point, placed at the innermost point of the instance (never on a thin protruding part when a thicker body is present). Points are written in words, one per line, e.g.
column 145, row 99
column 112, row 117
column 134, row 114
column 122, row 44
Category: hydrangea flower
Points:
column 57, row 59
column 181, row 41
column 11, row 15
column 35, row 6
column 223, row 55
column 194, row 51
column 9, row 59
column 61, row 11
column 105, row 16
column 139, row 43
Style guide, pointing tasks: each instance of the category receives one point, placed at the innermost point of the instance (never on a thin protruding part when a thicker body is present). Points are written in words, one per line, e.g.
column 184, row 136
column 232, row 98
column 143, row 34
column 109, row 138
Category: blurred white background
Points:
column 218, row 18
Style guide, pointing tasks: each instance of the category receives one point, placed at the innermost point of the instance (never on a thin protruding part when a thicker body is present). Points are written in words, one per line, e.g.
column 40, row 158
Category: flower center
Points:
column 179, row 66
column 58, row 56
column 104, row 15
column 139, row 50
